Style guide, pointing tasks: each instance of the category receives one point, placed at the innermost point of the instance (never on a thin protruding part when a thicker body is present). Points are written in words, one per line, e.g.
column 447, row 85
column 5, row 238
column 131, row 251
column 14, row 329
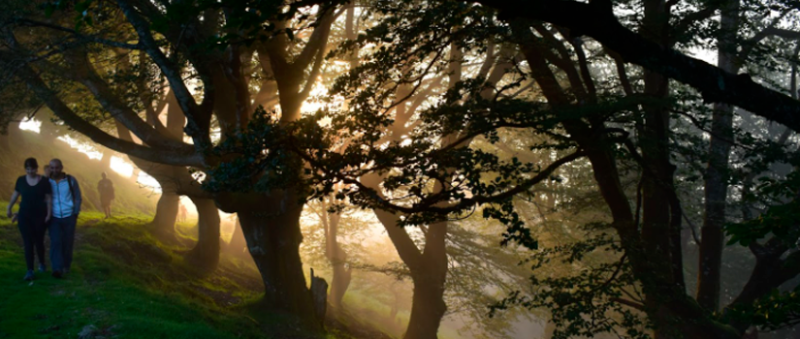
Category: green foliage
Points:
column 781, row 215
column 773, row 311
column 586, row 303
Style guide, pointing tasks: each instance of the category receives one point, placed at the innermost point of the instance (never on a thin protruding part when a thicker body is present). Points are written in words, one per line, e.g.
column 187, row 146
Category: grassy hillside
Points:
column 124, row 284
column 131, row 198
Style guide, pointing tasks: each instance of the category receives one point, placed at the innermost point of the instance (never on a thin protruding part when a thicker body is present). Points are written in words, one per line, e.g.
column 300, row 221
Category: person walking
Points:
column 34, row 213
column 106, row 189
column 66, row 207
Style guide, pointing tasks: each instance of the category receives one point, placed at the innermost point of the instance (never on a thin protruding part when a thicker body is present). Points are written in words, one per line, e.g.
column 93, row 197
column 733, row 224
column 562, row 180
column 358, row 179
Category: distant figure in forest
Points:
column 34, row 213
column 106, row 189
column 66, row 207
column 183, row 213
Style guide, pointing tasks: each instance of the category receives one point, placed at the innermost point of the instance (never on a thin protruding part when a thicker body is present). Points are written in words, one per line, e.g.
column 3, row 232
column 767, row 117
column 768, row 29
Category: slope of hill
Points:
column 124, row 284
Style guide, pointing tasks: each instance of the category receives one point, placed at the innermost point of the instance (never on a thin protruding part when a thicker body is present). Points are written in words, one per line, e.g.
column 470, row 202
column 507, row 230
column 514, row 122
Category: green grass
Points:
column 127, row 285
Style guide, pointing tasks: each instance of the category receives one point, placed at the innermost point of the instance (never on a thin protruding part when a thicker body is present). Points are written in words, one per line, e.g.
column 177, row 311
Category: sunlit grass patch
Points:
column 118, row 288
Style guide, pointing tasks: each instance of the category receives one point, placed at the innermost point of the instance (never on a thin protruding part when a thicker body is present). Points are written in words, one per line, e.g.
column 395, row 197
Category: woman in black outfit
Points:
column 34, row 212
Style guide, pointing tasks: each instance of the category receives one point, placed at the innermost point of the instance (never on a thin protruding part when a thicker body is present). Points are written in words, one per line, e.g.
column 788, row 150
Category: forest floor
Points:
column 125, row 284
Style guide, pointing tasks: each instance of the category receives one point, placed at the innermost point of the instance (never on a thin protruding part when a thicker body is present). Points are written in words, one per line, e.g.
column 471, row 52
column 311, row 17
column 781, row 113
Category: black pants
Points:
column 32, row 230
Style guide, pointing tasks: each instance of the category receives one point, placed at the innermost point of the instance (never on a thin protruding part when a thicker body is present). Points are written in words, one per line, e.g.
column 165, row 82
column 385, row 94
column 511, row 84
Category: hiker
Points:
column 183, row 213
column 66, row 207
column 34, row 213
column 106, row 189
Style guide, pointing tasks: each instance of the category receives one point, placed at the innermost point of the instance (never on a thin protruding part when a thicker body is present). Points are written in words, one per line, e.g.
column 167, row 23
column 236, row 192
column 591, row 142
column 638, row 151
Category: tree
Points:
column 288, row 40
column 598, row 123
column 267, row 163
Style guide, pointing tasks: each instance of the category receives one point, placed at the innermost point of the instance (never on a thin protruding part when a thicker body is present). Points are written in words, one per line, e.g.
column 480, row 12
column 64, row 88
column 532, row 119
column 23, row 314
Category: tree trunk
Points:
column 105, row 161
column 337, row 258
column 428, row 306
column 237, row 244
column 341, row 281
column 716, row 184
column 274, row 242
column 661, row 212
column 205, row 253
column 163, row 225
column 427, row 309
column 428, row 271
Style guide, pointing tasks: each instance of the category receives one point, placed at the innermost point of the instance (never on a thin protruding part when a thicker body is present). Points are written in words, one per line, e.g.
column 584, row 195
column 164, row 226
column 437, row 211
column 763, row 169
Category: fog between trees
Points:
column 491, row 163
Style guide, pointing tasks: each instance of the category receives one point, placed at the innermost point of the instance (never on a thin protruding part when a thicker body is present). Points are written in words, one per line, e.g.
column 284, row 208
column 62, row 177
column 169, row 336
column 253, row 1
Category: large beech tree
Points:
column 426, row 179
column 220, row 61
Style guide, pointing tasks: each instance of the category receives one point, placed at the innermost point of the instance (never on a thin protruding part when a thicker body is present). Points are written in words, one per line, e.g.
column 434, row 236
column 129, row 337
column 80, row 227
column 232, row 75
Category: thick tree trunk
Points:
column 205, row 253
column 428, row 271
column 428, row 306
column 429, row 275
column 661, row 213
column 163, row 225
column 274, row 241
column 716, row 185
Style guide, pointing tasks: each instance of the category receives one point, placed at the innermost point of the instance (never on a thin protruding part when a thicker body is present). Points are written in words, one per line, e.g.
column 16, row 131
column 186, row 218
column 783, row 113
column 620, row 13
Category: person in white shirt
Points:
column 66, row 207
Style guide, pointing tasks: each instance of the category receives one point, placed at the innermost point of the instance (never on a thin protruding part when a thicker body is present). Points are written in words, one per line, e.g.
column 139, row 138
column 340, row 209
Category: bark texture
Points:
column 716, row 183
column 205, row 254
column 271, row 226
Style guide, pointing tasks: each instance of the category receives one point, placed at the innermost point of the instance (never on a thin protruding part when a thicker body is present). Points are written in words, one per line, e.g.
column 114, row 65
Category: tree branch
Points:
column 597, row 20
column 79, row 36
column 196, row 115
column 683, row 25
column 83, row 73
column 318, row 40
column 750, row 44
column 35, row 83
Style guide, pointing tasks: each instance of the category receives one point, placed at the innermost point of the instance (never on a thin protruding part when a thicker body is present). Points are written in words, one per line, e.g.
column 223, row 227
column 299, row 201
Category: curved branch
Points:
column 431, row 205
column 37, row 85
column 83, row 72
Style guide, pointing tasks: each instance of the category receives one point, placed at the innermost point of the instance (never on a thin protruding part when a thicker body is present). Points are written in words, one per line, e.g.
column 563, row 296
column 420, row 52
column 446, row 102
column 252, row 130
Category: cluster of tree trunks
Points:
column 270, row 222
